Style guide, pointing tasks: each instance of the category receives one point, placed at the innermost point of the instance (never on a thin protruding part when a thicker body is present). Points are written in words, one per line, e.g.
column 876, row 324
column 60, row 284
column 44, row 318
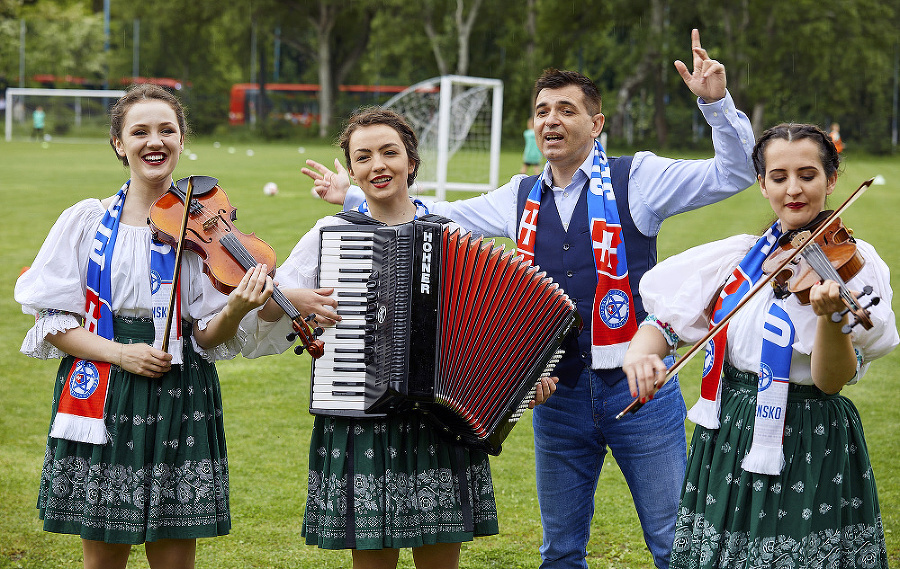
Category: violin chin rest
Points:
column 202, row 184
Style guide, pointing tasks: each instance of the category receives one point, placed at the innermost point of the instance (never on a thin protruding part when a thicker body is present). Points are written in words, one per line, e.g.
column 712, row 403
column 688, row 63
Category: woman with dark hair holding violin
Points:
column 778, row 473
column 136, row 451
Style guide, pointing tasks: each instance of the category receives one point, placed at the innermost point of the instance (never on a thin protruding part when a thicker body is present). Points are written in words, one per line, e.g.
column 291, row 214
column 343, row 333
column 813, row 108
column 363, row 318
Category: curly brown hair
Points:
column 372, row 116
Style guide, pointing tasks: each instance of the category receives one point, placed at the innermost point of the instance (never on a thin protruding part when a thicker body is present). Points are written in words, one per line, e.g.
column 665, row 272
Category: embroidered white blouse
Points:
column 679, row 289
column 53, row 288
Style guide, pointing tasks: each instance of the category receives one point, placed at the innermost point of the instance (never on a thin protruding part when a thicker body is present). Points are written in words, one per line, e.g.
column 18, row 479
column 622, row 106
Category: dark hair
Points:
column 374, row 116
column 137, row 94
column 790, row 132
column 555, row 79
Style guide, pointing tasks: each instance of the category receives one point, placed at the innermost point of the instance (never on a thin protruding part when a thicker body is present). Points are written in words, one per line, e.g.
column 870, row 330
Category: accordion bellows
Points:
column 438, row 322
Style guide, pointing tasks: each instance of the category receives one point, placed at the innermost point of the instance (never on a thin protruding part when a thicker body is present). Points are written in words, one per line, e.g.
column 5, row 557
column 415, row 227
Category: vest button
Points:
column 569, row 274
column 565, row 246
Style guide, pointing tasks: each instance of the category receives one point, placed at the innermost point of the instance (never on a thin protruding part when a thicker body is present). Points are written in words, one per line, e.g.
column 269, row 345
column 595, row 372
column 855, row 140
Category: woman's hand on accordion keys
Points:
column 544, row 388
column 316, row 301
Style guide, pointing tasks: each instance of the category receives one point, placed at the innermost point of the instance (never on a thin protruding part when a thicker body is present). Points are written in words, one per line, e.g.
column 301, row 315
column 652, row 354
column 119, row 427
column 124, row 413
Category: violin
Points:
column 831, row 255
column 208, row 229
column 840, row 242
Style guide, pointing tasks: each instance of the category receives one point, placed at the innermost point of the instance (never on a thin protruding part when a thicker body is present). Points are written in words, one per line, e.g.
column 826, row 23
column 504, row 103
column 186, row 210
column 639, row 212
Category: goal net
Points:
column 458, row 121
column 69, row 115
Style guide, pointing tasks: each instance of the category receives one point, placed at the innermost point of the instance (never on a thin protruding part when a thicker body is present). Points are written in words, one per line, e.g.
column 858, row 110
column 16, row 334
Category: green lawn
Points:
column 266, row 400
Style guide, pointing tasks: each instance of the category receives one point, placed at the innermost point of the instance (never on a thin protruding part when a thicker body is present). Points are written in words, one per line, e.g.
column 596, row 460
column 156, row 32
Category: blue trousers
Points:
column 572, row 432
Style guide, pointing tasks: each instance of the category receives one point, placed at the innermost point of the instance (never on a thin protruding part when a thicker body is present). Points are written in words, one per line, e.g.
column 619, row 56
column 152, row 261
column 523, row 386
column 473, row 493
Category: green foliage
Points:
column 786, row 61
column 265, row 400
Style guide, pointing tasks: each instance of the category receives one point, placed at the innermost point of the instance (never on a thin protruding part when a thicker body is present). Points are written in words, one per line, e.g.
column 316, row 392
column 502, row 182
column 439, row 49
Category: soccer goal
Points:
column 69, row 115
column 458, row 121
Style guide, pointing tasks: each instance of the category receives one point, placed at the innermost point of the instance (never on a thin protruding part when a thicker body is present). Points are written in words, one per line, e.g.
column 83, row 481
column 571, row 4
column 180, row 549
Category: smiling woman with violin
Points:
column 136, row 451
column 779, row 473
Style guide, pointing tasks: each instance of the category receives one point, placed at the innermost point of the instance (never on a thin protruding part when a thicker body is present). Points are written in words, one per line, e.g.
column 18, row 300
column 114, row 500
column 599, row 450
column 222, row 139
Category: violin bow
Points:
column 179, row 251
column 689, row 355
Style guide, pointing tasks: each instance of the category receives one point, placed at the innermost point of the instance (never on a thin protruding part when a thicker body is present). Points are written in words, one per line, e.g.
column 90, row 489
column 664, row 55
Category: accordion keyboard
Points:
column 345, row 265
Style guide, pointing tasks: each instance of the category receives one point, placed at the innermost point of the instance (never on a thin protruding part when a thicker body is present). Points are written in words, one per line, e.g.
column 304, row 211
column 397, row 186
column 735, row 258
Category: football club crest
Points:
column 614, row 309
column 155, row 281
column 765, row 376
column 709, row 357
column 85, row 379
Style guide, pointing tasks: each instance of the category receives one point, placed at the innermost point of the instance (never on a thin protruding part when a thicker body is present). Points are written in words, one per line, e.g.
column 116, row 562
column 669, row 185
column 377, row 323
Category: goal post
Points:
column 458, row 120
column 21, row 102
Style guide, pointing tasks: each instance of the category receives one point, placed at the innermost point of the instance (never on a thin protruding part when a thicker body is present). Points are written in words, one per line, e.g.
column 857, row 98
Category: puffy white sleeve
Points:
column 299, row 270
column 678, row 290
column 52, row 289
column 204, row 302
column 882, row 337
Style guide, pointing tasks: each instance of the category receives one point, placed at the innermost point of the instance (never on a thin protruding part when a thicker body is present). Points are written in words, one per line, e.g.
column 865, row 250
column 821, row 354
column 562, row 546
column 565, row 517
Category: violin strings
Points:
column 823, row 267
column 246, row 260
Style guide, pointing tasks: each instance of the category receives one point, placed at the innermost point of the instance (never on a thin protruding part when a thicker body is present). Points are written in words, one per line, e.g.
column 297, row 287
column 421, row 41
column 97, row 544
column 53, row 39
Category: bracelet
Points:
column 667, row 331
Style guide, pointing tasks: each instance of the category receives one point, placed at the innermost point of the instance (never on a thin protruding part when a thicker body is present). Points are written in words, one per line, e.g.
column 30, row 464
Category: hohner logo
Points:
column 427, row 248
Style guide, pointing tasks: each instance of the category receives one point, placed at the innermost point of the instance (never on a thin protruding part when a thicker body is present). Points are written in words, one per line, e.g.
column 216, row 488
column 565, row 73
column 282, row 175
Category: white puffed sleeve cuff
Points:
column 36, row 345
column 265, row 338
column 227, row 350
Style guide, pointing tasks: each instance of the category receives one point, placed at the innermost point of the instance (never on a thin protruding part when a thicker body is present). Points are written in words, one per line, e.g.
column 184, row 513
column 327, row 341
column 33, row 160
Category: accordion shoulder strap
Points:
column 435, row 218
column 357, row 218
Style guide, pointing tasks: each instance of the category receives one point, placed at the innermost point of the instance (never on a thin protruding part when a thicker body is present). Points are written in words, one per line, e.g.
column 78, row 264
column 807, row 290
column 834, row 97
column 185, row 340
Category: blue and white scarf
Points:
column 766, row 455
column 613, row 323
column 81, row 411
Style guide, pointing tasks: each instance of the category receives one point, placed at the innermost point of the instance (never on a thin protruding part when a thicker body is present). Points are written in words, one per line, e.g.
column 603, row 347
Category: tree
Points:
column 342, row 30
column 461, row 23
column 61, row 39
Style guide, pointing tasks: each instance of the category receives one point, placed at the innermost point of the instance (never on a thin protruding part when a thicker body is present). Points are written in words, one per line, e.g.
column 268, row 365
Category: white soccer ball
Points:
column 270, row 189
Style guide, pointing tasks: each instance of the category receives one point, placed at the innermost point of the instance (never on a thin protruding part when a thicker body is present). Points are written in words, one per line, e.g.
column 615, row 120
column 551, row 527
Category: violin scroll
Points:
column 860, row 314
column 308, row 341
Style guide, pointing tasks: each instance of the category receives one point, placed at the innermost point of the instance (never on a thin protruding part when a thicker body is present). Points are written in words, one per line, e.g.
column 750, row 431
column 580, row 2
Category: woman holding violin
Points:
column 136, row 451
column 778, row 473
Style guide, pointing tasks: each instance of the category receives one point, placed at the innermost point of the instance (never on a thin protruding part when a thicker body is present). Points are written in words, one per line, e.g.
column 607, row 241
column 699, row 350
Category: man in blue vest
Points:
column 591, row 223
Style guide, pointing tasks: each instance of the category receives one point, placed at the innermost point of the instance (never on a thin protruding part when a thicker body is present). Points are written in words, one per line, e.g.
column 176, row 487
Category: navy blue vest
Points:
column 567, row 257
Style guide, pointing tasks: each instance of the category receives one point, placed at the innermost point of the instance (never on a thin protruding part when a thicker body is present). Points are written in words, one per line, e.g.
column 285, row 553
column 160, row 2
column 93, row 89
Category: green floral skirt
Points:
column 820, row 512
column 393, row 483
column 164, row 472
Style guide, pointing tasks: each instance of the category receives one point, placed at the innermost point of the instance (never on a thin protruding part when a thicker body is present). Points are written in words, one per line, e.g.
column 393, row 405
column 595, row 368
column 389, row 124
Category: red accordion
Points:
column 444, row 323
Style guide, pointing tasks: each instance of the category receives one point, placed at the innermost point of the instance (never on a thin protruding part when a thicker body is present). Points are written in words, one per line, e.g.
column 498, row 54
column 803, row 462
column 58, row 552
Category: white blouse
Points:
column 56, row 282
column 679, row 289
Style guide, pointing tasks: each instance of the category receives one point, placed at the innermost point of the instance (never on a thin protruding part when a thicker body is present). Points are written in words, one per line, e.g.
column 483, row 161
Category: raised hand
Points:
column 331, row 186
column 707, row 80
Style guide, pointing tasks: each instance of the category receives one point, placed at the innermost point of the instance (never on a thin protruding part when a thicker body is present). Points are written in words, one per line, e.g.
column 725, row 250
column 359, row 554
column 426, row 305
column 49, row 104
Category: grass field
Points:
column 266, row 400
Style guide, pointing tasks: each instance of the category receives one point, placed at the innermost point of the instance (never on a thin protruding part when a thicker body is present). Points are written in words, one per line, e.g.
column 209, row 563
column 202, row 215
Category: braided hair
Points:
column 790, row 132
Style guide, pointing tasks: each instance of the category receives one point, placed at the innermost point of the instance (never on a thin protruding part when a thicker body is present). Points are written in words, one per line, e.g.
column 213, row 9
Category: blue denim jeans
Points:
column 572, row 432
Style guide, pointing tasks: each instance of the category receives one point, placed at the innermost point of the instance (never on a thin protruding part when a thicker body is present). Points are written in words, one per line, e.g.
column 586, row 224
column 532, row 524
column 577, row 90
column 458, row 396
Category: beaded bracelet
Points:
column 667, row 331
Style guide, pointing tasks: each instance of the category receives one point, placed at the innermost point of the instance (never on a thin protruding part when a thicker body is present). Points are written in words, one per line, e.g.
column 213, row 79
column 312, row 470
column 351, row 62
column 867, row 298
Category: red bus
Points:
column 296, row 102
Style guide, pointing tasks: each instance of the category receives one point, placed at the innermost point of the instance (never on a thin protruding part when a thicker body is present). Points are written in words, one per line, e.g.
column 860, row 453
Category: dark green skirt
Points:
column 820, row 512
column 393, row 483
column 164, row 473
